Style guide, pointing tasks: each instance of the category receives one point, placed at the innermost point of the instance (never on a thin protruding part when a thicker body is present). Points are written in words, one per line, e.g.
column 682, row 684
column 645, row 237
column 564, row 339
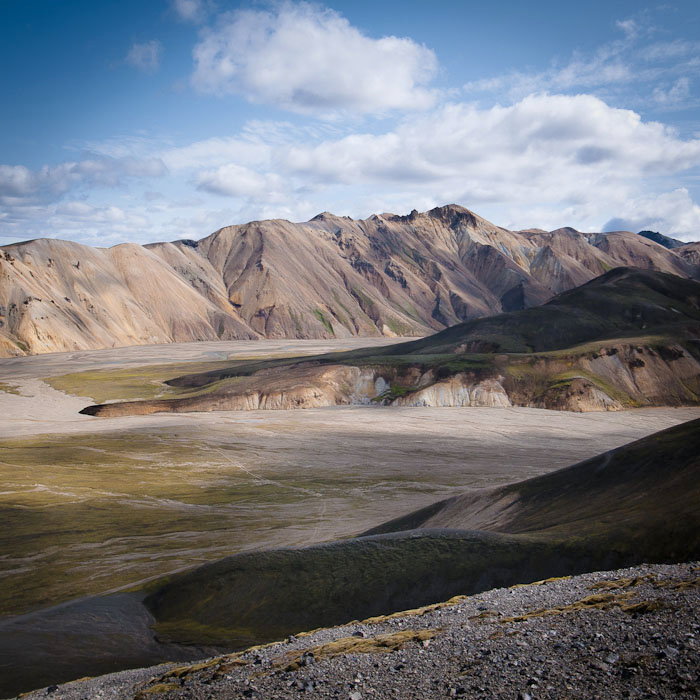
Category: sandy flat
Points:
column 41, row 409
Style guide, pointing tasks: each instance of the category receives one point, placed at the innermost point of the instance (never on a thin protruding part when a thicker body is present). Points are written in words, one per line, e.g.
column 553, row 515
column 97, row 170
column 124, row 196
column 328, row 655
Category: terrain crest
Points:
column 331, row 277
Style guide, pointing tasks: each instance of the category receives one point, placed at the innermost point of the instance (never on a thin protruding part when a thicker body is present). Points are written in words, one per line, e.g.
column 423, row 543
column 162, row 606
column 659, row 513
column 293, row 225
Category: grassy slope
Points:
column 129, row 383
column 638, row 503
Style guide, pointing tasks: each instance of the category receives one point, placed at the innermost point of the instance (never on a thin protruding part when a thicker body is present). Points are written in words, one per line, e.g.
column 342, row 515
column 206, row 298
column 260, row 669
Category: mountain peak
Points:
column 665, row 241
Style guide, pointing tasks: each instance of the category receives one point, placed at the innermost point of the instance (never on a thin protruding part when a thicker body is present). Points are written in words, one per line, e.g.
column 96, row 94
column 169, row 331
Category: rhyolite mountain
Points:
column 628, row 338
column 329, row 277
column 665, row 241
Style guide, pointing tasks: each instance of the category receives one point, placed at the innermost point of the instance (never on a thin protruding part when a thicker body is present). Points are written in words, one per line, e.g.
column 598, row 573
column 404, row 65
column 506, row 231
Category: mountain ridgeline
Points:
column 329, row 277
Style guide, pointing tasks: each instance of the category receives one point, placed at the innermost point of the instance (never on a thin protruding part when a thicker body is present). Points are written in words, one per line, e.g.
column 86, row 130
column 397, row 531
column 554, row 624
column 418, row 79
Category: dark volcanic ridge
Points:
column 639, row 503
column 625, row 339
column 329, row 277
column 625, row 633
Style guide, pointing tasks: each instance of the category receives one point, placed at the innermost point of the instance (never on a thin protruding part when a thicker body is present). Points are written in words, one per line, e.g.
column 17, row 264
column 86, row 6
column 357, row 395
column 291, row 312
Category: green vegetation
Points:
column 10, row 389
column 564, row 379
column 326, row 323
column 85, row 513
column 393, row 392
column 617, row 509
column 300, row 589
column 399, row 327
column 127, row 384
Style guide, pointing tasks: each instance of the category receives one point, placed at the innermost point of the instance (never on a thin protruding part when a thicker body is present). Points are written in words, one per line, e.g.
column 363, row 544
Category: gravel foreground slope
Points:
column 629, row 633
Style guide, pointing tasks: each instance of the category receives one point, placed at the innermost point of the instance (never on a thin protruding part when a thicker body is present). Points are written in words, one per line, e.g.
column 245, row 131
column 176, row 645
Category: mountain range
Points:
column 329, row 277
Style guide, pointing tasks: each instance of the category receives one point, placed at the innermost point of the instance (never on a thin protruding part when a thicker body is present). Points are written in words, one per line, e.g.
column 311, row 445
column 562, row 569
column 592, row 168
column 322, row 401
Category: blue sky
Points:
column 171, row 118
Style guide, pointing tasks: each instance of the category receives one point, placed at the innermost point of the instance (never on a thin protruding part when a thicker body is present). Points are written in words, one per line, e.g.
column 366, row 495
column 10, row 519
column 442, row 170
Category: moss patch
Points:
column 147, row 382
column 326, row 323
column 600, row 601
column 10, row 389
column 381, row 643
column 616, row 584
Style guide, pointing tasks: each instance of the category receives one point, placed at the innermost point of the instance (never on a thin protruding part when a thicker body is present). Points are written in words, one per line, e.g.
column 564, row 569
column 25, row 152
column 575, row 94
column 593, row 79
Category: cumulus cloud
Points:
column 146, row 56
column 310, row 59
column 522, row 144
column 238, row 181
column 545, row 160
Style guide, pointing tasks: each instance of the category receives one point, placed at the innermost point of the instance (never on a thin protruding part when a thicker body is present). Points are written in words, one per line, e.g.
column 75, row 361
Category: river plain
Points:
column 89, row 505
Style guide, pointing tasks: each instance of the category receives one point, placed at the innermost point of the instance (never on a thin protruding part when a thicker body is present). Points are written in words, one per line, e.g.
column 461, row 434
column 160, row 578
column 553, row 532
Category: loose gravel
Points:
column 629, row 633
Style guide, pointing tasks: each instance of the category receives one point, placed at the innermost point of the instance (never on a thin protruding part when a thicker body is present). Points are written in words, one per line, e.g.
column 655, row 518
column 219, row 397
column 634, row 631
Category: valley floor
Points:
column 95, row 504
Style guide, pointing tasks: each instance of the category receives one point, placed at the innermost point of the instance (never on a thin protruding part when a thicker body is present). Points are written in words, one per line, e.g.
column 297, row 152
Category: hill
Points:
column 591, row 635
column 639, row 503
column 329, row 277
column 665, row 241
column 628, row 338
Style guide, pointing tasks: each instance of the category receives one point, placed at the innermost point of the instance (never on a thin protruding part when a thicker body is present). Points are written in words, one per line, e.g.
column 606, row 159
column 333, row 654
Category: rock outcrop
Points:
column 329, row 277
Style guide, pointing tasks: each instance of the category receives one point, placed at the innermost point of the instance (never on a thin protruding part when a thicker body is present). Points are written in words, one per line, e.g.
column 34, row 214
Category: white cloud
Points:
column 146, row 56
column 625, row 70
column 309, row 59
column 238, row 181
column 606, row 67
column 189, row 10
column 546, row 160
column 630, row 27
column 673, row 213
column 214, row 152
column 678, row 92
column 542, row 136
column 51, row 182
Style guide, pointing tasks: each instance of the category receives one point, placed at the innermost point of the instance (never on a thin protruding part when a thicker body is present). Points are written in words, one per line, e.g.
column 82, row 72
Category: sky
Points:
column 124, row 120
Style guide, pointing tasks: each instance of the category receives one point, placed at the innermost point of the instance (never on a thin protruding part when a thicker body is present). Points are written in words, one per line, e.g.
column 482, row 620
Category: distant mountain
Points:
column 659, row 238
column 624, row 301
column 329, row 277
column 627, row 338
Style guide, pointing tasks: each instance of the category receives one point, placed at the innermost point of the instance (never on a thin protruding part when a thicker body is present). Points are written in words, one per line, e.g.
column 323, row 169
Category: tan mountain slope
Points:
column 690, row 252
column 329, row 277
